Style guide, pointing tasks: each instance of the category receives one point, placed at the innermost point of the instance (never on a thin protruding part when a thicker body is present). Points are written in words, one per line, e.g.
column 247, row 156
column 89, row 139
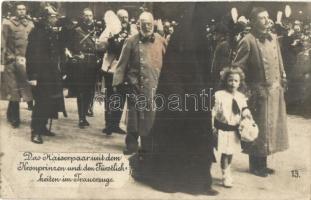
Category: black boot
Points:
column 107, row 130
column 36, row 138
column 13, row 114
column 82, row 112
column 9, row 112
column 131, row 144
column 118, row 130
column 47, row 132
column 257, row 166
column 83, row 123
column 267, row 169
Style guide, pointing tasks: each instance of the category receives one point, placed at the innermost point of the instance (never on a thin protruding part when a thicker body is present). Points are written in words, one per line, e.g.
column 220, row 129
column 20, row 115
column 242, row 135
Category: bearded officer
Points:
column 85, row 63
column 139, row 68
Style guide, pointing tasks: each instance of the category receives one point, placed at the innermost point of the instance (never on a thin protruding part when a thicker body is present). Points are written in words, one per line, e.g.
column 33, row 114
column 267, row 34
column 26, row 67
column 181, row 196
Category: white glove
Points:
column 33, row 83
column 246, row 113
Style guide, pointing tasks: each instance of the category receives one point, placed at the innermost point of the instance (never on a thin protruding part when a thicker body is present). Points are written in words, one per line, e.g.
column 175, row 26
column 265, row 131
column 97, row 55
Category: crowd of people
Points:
column 42, row 58
column 78, row 55
column 294, row 36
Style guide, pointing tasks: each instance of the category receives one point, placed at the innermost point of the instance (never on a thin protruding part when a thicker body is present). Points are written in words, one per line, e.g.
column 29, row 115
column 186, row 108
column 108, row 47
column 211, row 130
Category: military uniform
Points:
column 85, row 67
column 14, row 83
column 260, row 57
column 44, row 56
column 140, row 65
column 112, row 44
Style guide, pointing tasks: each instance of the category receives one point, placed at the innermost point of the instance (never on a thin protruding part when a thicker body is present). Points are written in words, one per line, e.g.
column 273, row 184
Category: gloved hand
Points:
column 246, row 113
column 33, row 83
column 284, row 84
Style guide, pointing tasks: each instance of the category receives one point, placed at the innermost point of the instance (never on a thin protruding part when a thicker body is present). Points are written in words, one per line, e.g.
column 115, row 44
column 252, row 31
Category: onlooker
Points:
column 222, row 53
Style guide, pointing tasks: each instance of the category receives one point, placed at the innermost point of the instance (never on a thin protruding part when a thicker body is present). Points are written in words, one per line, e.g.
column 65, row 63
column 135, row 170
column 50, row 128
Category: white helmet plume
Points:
column 234, row 15
column 288, row 11
column 112, row 21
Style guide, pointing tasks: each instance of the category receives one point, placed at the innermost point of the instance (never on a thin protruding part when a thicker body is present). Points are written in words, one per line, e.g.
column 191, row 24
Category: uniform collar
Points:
column 144, row 39
column 18, row 21
column 87, row 27
column 262, row 36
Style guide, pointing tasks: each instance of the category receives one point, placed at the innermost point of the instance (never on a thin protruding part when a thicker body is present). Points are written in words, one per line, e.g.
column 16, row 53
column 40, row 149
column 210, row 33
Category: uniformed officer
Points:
column 15, row 84
column 85, row 64
column 112, row 43
column 44, row 56
column 139, row 67
column 260, row 57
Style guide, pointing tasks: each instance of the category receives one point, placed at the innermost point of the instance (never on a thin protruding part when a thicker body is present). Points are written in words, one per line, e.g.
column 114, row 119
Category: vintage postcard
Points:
column 155, row 100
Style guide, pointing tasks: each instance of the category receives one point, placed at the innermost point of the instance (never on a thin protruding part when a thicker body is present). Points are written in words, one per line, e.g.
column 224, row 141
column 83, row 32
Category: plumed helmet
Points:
column 49, row 11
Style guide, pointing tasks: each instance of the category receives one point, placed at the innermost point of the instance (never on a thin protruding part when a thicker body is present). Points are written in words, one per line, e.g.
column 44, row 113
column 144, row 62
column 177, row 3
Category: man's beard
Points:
column 88, row 22
column 124, row 24
column 146, row 34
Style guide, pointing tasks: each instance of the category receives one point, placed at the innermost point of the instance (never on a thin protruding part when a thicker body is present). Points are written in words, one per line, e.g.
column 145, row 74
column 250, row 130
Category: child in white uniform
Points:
column 230, row 103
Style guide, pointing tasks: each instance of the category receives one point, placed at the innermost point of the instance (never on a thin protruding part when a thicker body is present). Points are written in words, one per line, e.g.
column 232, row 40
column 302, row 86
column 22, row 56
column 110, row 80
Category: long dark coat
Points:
column 264, row 71
column 221, row 60
column 14, row 81
column 44, row 58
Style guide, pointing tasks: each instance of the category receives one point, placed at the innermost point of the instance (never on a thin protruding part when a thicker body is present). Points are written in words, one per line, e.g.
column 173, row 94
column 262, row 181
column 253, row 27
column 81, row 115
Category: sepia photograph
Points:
column 155, row 100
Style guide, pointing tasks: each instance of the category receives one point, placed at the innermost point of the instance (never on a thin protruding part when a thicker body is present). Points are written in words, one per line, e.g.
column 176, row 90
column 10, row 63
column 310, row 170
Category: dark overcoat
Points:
column 14, row 81
column 263, row 67
column 221, row 60
column 44, row 57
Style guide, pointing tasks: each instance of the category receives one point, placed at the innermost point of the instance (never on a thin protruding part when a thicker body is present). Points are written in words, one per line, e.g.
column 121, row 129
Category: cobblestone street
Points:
column 291, row 180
